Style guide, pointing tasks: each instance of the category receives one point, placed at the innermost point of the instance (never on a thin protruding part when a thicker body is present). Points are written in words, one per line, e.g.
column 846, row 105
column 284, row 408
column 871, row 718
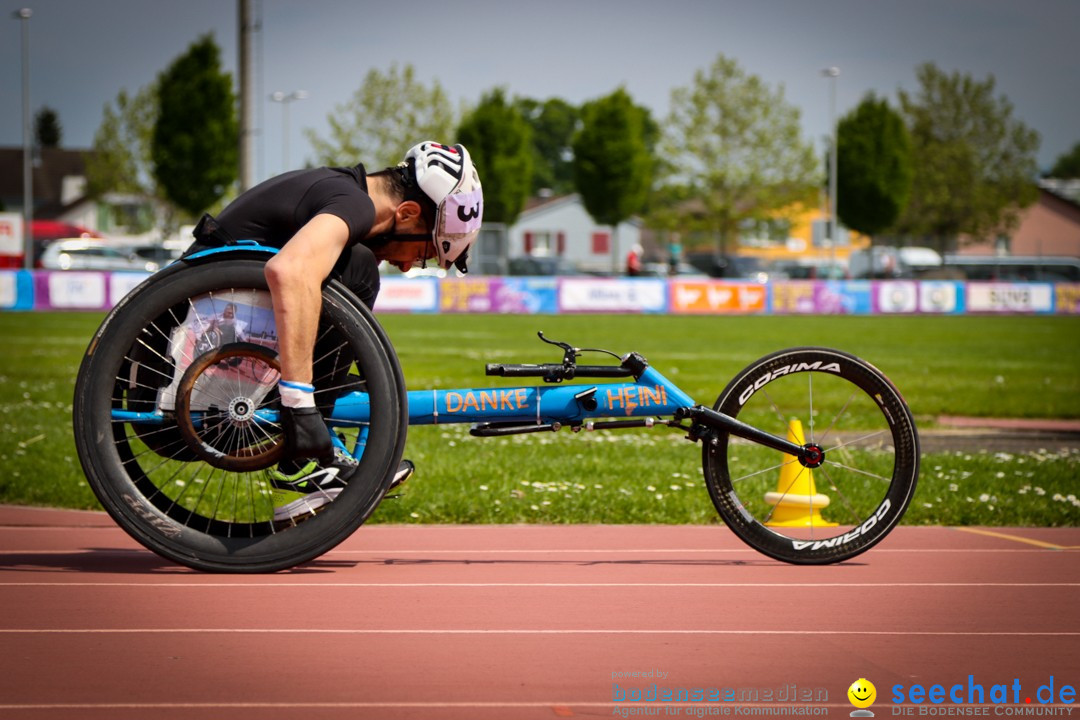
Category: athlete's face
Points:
column 403, row 254
column 409, row 240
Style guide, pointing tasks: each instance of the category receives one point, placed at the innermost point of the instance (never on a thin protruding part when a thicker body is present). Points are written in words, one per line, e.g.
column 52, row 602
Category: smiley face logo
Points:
column 862, row 693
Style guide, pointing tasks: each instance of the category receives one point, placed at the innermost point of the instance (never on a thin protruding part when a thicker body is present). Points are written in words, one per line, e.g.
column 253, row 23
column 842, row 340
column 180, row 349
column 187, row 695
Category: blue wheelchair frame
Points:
column 499, row 411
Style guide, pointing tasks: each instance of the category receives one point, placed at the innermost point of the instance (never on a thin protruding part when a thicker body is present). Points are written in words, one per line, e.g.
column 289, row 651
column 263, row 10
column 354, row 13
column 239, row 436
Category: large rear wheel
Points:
column 176, row 418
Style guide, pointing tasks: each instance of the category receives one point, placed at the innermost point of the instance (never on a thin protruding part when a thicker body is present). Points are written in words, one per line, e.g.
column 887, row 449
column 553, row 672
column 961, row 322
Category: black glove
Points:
column 306, row 434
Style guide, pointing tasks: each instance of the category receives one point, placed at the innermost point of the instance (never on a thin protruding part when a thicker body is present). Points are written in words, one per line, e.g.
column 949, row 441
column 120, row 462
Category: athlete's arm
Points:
column 295, row 277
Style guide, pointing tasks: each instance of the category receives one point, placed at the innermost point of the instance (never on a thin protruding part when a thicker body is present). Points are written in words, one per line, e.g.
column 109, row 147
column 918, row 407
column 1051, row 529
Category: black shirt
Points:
column 275, row 210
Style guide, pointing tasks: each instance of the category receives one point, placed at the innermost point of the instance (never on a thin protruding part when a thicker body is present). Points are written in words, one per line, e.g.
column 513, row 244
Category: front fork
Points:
column 706, row 422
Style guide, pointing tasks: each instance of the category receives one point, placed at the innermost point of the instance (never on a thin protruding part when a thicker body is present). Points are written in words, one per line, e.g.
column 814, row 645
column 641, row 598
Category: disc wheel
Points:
column 854, row 482
column 179, row 445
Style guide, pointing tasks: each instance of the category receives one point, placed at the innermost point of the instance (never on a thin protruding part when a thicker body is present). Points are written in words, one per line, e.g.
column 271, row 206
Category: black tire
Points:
column 871, row 457
column 164, row 494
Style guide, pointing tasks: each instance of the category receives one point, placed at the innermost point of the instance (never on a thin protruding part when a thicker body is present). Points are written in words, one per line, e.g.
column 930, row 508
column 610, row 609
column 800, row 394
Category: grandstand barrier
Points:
column 23, row 290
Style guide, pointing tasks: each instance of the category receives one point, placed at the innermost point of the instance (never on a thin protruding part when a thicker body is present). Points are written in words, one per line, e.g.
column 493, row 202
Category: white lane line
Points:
column 569, row 704
column 555, row 551
column 518, row 631
column 240, row 585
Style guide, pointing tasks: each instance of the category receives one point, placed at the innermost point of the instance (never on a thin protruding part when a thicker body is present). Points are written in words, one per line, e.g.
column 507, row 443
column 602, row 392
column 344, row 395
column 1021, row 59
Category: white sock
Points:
column 295, row 394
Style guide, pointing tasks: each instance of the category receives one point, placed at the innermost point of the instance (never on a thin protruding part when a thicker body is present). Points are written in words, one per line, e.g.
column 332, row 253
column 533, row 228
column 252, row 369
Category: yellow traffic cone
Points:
column 797, row 502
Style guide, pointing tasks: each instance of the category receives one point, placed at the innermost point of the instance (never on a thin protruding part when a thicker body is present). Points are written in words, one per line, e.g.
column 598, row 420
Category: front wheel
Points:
column 819, row 512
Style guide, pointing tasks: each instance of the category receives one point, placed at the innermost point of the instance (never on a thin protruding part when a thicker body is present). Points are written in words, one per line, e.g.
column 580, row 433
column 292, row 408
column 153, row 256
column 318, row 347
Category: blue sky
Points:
column 84, row 51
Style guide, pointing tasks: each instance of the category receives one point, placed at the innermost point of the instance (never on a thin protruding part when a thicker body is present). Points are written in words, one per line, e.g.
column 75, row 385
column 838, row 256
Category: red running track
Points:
column 524, row 622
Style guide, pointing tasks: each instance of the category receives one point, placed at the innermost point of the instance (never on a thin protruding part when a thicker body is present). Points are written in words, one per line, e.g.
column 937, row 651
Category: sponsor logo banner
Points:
column 121, row 283
column 68, row 290
column 464, row 295
column 941, row 296
column 603, row 295
column 9, row 289
column 843, row 297
column 417, row 295
column 527, row 296
column 896, row 296
column 709, row 297
column 1010, row 297
column 1067, row 298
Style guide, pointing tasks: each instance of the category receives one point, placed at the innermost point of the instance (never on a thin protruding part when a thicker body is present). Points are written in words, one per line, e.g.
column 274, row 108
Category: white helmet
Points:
column 447, row 176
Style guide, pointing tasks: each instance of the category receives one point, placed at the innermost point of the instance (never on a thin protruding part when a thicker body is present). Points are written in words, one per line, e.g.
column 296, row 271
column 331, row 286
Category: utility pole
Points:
column 28, row 138
column 832, row 73
column 245, row 25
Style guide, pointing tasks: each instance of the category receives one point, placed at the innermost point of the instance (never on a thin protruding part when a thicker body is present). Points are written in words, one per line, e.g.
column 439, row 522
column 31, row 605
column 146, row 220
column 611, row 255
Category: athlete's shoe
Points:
column 316, row 483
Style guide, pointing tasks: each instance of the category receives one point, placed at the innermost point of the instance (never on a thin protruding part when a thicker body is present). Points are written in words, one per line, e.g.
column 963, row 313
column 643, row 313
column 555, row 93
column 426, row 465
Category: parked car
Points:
column 93, row 255
column 729, row 267
column 541, row 265
column 685, row 271
column 161, row 254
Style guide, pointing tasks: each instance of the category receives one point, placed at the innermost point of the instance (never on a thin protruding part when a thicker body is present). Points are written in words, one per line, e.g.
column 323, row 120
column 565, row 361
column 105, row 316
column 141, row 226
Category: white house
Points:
column 561, row 227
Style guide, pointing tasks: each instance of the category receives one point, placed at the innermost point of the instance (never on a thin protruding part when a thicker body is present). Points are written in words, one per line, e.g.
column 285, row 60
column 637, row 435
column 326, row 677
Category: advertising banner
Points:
column 601, row 295
column 843, row 297
column 465, row 295
column 1010, row 297
column 896, row 296
column 16, row 290
column 794, row 297
column 121, row 283
column 1067, row 298
column 941, row 296
column 69, row 290
column 416, row 295
column 717, row 297
column 532, row 295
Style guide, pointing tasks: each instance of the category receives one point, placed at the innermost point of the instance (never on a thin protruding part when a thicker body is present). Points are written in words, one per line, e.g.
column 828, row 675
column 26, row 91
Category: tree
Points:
column 1068, row 165
column 500, row 143
column 389, row 113
column 736, row 146
column 47, row 130
column 195, row 143
column 874, row 167
column 974, row 163
column 121, row 161
column 553, row 123
column 612, row 164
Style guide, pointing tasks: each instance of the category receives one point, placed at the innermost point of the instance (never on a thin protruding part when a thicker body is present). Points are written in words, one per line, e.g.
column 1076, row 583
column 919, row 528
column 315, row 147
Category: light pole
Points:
column 28, row 168
column 286, row 99
column 832, row 73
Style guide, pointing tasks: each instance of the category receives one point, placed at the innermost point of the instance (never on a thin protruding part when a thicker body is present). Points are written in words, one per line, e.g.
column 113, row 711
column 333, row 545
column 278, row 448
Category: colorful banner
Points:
column 70, row 290
column 941, row 296
column 852, row 297
column 98, row 291
column 1067, row 298
column 602, row 295
column 717, row 297
column 794, row 297
column 16, row 290
column 1010, row 297
column 121, row 283
column 416, row 295
column 527, row 296
column 896, row 296
column 465, row 295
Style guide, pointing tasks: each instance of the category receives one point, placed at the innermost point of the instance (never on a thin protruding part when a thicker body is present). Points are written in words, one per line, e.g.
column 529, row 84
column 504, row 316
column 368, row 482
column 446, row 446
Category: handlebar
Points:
column 632, row 365
column 557, row 371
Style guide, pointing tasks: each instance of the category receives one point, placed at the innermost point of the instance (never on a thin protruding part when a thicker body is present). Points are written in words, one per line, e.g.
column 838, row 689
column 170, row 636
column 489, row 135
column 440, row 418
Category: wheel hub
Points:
column 241, row 410
column 812, row 456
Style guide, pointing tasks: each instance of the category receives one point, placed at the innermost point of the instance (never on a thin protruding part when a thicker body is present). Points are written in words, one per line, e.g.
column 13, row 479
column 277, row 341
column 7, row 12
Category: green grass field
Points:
column 982, row 366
